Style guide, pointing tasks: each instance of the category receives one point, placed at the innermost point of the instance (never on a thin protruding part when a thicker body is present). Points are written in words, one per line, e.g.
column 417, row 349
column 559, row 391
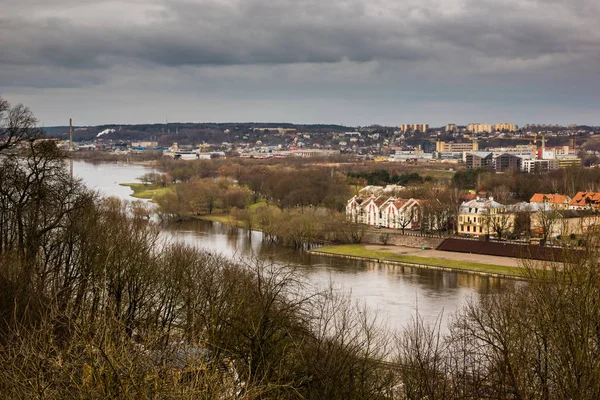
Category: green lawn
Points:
column 437, row 173
column 359, row 250
column 142, row 191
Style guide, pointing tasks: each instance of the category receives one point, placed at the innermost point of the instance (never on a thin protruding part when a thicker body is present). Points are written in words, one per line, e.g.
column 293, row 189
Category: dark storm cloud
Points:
column 292, row 31
column 353, row 61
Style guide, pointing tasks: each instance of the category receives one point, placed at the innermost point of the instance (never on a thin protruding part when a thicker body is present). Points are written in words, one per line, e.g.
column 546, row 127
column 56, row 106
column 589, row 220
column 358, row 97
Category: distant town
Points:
column 500, row 146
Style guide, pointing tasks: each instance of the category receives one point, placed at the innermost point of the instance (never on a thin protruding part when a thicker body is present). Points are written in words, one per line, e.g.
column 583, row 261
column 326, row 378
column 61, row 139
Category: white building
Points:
column 385, row 211
column 401, row 214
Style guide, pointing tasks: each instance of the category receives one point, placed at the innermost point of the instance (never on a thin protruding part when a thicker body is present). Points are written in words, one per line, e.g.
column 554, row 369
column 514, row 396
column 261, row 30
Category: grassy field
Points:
column 437, row 173
column 359, row 250
column 142, row 191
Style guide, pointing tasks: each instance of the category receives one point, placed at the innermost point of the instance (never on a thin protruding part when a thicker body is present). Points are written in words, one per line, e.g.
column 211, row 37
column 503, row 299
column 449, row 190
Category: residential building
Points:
column 521, row 151
column 568, row 162
column 481, row 215
column 410, row 155
column 373, row 209
column 479, row 128
column 355, row 208
column 565, row 151
column 556, row 201
column 585, row 201
column 535, row 165
column 507, row 162
column 451, row 128
column 563, row 222
column 445, row 147
column 385, row 211
column 454, row 156
column 414, row 128
column 401, row 214
column 505, row 127
column 478, row 159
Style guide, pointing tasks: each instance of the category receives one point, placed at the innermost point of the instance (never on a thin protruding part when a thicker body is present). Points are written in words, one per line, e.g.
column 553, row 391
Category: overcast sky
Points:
column 355, row 62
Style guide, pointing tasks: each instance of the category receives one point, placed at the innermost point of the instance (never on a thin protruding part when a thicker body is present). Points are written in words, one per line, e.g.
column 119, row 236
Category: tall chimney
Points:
column 70, row 134
column 71, row 146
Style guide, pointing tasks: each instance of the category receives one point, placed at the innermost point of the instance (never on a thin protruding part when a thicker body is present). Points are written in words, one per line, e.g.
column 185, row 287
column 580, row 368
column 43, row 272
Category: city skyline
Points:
column 337, row 62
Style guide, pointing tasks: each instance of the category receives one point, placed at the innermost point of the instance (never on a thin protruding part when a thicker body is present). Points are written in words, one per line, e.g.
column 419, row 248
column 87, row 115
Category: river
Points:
column 394, row 292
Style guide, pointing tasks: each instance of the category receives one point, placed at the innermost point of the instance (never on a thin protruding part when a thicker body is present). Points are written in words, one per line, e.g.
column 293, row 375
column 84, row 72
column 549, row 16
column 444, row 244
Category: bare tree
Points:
column 502, row 223
column 405, row 220
column 545, row 220
column 17, row 123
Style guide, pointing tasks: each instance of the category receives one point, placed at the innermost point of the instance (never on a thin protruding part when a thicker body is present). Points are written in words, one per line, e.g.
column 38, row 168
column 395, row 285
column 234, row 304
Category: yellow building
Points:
column 505, row 127
column 563, row 223
column 443, row 147
column 479, row 128
column 483, row 216
column 568, row 162
column 414, row 128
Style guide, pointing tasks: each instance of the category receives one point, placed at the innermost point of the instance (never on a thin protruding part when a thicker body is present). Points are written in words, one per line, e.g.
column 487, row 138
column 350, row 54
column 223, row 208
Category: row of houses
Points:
column 545, row 215
column 385, row 211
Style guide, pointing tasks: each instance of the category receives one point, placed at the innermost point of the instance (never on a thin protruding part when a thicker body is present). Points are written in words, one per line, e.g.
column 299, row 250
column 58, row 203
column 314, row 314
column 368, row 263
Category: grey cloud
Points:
column 352, row 61
column 290, row 31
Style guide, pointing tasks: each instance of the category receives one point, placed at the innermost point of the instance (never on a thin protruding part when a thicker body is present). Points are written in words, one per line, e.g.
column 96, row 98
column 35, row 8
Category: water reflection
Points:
column 396, row 291
column 106, row 177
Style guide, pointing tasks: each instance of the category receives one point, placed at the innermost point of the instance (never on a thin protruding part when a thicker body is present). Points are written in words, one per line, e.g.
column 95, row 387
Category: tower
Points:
column 70, row 134
column 71, row 146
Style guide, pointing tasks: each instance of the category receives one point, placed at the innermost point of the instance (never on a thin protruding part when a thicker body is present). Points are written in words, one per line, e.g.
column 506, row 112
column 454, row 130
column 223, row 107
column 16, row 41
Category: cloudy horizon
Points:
column 351, row 62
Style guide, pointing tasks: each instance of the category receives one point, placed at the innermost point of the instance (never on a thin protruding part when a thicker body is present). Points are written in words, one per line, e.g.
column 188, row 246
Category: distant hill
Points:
column 183, row 133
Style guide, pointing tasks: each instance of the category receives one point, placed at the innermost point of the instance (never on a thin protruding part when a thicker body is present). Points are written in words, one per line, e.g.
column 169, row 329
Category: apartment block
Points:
column 479, row 128
column 445, row 147
column 414, row 128
column 505, row 127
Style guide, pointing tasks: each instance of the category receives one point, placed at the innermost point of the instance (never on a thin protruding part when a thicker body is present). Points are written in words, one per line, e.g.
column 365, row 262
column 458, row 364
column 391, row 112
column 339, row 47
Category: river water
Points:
column 394, row 292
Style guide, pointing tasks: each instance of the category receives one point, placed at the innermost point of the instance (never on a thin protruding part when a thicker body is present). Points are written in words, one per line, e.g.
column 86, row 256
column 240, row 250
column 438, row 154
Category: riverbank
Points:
column 498, row 266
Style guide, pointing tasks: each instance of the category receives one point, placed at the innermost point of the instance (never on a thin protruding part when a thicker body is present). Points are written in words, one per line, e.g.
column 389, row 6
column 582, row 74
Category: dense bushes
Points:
column 297, row 228
column 295, row 186
column 383, row 177
column 536, row 341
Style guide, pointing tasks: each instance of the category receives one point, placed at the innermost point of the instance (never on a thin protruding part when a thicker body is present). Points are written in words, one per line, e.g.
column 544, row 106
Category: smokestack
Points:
column 71, row 146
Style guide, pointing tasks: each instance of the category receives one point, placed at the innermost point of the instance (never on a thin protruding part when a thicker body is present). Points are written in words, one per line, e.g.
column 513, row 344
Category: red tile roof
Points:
column 586, row 199
column 549, row 198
